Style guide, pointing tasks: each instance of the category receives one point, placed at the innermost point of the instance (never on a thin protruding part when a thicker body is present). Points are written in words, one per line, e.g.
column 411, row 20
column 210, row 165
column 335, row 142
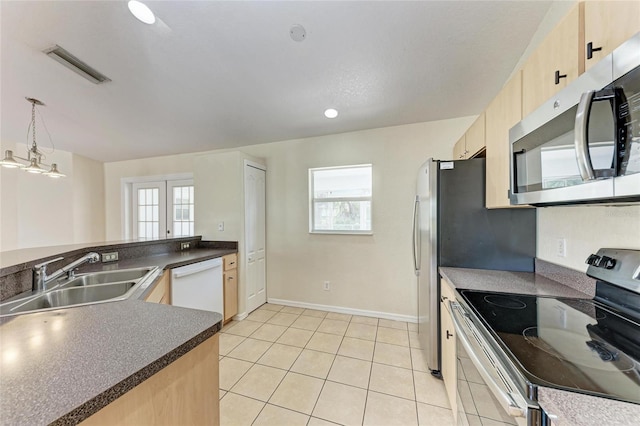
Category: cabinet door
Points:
column 448, row 344
column 459, row 149
column 504, row 112
column 560, row 53
column 607, row 24
column 230, row 293
column 475, row 137
column 160, row 293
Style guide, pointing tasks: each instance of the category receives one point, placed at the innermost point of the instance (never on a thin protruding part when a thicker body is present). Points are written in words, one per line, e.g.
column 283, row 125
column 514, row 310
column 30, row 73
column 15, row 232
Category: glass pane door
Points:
column 180, row 207
column 149, row 210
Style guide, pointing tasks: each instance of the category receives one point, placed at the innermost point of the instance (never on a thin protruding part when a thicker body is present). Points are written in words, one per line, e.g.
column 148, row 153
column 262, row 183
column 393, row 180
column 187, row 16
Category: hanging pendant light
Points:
column 33, row 167
column 54, row 173
column 9, row 162
column 34, row 155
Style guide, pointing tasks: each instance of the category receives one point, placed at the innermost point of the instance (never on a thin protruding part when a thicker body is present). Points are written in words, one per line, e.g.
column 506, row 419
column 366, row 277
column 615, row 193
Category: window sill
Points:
column 342, row 232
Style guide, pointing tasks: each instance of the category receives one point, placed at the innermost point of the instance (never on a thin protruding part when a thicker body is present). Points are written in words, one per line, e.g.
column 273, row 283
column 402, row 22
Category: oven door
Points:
column 486, row 391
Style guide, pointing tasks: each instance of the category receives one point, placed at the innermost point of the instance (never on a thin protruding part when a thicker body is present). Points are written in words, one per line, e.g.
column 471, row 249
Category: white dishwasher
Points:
column 198, row 286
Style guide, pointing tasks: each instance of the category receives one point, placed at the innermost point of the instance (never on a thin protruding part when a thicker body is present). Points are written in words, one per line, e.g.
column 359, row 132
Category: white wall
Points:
column 38, row 211
column 366, row 272
column 586, row 229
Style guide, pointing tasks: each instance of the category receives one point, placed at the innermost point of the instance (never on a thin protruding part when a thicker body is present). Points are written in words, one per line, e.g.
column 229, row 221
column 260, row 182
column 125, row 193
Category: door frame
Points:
column 245, row 260
column 126, row 200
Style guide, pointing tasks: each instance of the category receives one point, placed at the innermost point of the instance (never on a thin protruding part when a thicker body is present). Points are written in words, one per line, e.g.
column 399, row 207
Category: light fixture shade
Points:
column 34, row 167
column 54, row 173
column 9, row 161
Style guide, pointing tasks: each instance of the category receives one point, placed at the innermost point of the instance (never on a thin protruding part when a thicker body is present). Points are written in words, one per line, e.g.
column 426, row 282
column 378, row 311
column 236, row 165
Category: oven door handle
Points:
column 507, row 399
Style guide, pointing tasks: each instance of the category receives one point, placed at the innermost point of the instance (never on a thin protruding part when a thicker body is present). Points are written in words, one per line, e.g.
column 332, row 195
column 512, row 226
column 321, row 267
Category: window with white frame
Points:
column 162, row 208
column 340, row 200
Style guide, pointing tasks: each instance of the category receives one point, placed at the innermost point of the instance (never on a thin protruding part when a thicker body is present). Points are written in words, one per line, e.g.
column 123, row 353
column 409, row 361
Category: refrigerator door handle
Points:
column 416, row 237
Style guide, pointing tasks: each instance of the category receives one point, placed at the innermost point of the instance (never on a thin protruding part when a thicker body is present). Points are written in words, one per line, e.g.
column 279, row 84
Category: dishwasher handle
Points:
column 195, row 268
column 504, row 395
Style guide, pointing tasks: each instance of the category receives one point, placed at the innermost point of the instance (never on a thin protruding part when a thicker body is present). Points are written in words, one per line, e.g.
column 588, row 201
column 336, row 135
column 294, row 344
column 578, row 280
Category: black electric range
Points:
column 589, row 346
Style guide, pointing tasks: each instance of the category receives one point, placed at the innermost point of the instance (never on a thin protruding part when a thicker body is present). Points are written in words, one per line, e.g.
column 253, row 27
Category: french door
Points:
column 163, row 208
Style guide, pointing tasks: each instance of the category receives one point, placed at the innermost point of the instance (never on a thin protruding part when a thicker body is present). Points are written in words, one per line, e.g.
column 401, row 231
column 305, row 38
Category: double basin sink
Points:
column 85, row 289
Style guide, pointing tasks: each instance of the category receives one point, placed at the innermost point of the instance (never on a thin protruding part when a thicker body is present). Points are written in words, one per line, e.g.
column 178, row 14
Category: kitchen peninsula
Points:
column 112, row 362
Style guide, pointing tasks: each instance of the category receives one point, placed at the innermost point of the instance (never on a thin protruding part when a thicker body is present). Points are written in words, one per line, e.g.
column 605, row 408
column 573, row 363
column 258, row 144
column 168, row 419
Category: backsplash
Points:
column 585, row 229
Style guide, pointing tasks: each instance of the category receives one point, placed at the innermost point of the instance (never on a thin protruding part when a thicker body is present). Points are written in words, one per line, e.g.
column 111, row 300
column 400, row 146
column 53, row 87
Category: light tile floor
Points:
column 285, row 366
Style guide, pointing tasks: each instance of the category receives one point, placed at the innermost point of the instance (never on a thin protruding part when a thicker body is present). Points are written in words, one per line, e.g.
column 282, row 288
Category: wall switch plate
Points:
column 221, row 226
column 326, row 286
column 561, row 247
column 110, row 257
column 185, row 246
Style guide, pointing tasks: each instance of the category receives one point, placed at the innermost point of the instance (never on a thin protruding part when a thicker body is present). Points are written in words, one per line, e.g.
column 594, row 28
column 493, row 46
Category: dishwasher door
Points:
column 198, row 286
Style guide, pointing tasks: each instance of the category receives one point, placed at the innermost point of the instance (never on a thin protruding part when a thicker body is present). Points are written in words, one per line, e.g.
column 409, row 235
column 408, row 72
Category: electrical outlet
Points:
column 185, row 246
column 561, row 247
column 110, row 257
column 327, row 286
column 221, row 226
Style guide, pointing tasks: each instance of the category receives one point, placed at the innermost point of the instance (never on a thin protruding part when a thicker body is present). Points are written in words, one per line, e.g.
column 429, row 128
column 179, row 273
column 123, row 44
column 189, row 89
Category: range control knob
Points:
column 607, row 262
column 593, row 259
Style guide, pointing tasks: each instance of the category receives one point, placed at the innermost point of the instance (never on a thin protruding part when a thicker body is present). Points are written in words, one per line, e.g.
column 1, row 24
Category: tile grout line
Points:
column 342, row 336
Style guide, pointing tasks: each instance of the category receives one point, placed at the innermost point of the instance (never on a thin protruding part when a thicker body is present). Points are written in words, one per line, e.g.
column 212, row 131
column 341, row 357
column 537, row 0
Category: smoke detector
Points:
column 298, row 33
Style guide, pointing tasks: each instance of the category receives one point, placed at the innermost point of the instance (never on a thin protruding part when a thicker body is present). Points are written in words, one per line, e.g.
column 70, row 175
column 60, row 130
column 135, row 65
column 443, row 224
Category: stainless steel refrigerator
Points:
column 451, row 227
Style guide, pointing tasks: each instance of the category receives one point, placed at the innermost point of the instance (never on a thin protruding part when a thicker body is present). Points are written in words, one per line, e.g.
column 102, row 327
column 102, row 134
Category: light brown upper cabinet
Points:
column 556, row 62
column 474, row 138
column 459, row 149
column 472, row 142
column 504, row 112
column 607, row 24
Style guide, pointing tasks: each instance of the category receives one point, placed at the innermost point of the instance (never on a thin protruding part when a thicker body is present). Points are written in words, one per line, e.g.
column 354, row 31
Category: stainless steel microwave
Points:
column 583, row 145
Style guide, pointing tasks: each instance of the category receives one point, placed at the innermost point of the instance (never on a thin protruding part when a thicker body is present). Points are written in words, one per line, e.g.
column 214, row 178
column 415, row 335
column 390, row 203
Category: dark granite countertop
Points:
column 508, row 282
column 63, row 365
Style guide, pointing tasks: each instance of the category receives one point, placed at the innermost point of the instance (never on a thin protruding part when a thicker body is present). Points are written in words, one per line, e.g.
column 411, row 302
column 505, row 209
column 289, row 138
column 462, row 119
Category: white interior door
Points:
column 255, row 236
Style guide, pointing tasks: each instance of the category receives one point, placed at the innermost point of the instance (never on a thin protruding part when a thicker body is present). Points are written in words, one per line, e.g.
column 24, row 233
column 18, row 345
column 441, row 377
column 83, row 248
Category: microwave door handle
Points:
column 580, row 134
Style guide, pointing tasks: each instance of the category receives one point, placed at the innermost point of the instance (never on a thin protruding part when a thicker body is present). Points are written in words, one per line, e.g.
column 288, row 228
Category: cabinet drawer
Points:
column 230, row 261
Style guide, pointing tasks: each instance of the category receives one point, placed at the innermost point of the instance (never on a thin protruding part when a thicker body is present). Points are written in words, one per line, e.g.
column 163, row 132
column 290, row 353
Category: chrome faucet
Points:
column 41, row 279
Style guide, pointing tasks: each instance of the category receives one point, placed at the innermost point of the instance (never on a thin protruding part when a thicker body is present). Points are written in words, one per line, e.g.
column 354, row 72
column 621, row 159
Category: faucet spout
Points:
column 41, row 279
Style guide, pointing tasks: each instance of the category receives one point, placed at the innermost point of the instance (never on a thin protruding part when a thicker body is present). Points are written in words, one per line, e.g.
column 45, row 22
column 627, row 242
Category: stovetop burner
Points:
column 505, row 302
column 575, row 344
column 600, row 357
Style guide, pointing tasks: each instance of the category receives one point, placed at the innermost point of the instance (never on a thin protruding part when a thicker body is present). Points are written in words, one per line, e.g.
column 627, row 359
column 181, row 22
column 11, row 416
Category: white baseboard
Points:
column 240, row 317
column 342, row 310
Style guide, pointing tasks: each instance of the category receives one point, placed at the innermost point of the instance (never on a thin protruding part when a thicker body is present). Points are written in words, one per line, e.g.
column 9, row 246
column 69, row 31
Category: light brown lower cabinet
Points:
column 183, row 393
column 161, row 293
column 230, row 280
column 448, row 346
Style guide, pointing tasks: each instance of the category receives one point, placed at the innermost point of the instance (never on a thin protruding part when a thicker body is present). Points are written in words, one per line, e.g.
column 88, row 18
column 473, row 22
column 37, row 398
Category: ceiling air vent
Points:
column 68, row 60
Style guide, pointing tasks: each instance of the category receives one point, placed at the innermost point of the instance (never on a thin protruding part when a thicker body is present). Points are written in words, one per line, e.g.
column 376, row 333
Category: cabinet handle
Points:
column 443, row 298
column 229, row 278
column 591, row 49
column 558, row 76
column 449, row 335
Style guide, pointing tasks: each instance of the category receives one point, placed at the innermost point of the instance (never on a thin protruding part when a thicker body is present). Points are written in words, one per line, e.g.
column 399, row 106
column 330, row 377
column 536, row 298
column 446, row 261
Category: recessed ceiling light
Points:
column 141, row 11
column 331, row 113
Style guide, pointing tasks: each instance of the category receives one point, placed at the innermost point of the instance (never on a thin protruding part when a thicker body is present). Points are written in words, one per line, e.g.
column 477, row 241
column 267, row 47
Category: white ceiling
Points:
column 213, row 75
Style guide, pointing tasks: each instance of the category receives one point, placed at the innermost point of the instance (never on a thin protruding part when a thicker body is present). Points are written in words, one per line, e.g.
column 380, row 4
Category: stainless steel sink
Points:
column 86, row 289
column 75, row 296
column 107, row 277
